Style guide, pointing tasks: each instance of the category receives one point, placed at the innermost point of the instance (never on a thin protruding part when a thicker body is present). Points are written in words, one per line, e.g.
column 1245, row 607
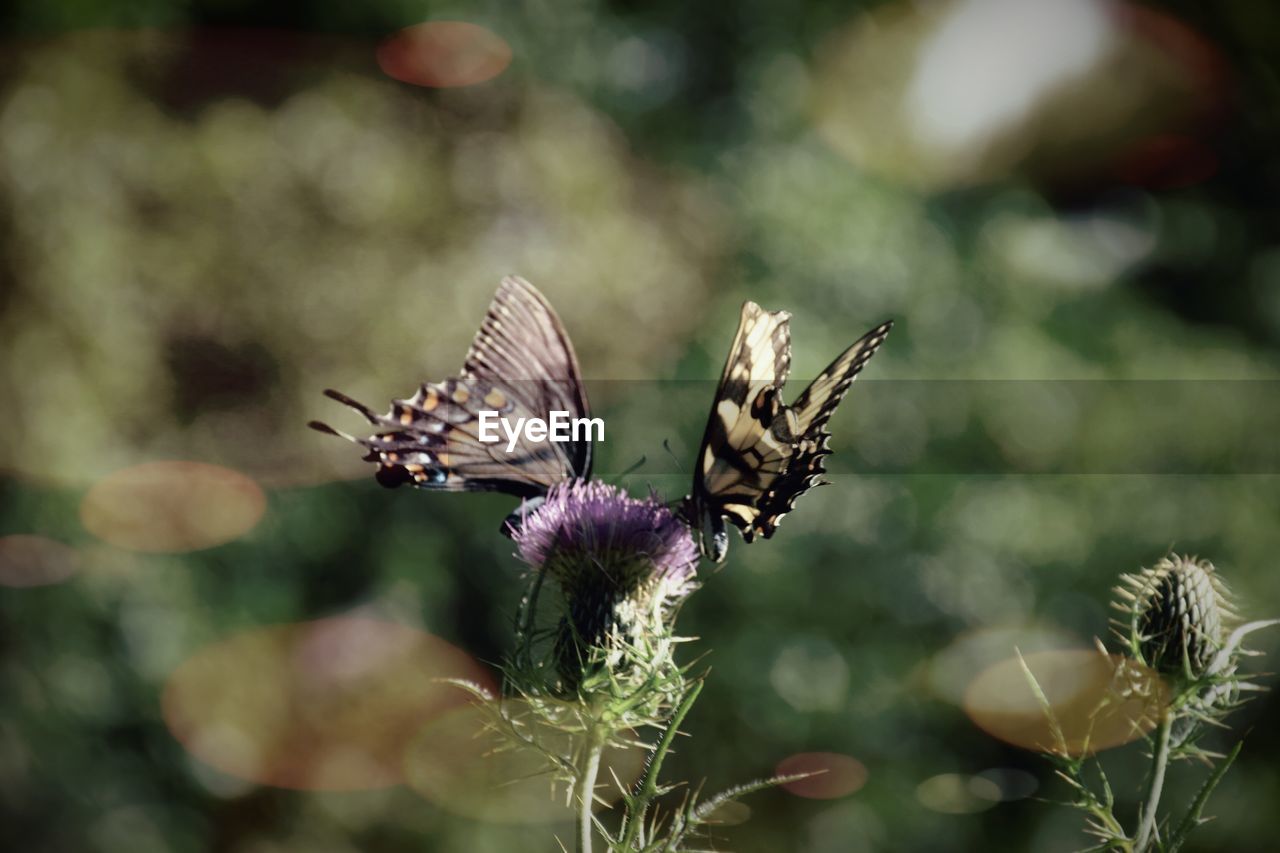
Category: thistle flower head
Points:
column 622, row 564
column 1174, row 615
column 590, row 528
column 1177, row 618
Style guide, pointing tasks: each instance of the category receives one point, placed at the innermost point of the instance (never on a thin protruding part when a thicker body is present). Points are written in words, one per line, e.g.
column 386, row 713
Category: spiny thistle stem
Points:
column 1192, row 818
column 588, row 772
column 1160, row 764
column 638, row 804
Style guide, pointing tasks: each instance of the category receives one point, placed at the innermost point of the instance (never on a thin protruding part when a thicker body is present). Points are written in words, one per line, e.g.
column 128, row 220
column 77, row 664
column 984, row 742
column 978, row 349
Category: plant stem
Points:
column 1192, row 818
column 1146, row 829
column 647, row 790
column 588, row 770
column 524, row 626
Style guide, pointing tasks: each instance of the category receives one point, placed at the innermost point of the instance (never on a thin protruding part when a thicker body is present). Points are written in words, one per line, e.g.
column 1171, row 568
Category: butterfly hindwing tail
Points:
column 816, row 404
column 812, row 410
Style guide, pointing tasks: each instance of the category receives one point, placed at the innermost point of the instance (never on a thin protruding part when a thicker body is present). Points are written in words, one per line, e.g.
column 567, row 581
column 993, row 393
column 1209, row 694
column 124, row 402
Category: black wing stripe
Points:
column 818, row 402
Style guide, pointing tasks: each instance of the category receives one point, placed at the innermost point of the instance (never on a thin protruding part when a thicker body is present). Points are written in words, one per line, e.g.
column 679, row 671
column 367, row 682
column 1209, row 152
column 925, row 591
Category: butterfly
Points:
column 520, row 365
column 759, row 455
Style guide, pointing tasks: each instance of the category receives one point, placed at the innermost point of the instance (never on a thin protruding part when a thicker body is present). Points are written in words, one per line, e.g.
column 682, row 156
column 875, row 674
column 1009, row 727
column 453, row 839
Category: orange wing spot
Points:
column 495, row 399
column 443, row 459
column 431, row 400
column 461, row 395
column 414, row 468
column 406, row 417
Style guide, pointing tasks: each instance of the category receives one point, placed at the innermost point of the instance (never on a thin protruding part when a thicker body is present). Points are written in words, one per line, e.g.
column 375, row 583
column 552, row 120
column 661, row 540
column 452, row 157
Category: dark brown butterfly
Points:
column 520, row 365
column 759, row 455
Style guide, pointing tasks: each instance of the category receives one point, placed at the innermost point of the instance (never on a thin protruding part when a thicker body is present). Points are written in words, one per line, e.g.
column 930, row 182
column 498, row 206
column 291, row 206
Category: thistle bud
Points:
column 1176, row 610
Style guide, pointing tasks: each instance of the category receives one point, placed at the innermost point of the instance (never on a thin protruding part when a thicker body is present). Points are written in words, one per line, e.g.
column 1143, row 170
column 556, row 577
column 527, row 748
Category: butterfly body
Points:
column 758, row 455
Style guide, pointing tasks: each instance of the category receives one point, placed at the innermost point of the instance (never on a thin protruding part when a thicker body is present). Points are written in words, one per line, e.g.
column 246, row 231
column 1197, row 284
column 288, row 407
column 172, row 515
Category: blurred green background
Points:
column 211, row 211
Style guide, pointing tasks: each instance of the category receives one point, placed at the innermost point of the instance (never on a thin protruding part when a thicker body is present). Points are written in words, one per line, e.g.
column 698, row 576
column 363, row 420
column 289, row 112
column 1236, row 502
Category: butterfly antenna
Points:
column 370, row 415
column 633, row 468
column 676, row 503
column 320, row 426
column 667, row 444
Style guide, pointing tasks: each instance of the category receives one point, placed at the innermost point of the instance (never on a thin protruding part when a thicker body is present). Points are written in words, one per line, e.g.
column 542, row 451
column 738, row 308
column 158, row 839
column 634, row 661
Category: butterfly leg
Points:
column 515, row 520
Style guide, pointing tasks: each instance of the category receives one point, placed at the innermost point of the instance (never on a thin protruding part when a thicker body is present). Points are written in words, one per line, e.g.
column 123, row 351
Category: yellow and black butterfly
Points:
column 520, row 365
column 759, row 455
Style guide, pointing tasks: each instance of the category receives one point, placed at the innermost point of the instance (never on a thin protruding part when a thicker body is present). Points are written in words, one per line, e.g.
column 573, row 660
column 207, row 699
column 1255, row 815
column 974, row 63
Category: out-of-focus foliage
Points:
column 202, row 228
column 347, row 225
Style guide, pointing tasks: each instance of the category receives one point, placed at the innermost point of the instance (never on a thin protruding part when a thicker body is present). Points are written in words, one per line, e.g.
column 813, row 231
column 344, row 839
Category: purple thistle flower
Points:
column 595, row 528
column 615, row 557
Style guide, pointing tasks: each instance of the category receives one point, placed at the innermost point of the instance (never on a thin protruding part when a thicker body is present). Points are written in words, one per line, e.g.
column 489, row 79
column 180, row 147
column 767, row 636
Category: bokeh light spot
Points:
column 168, row 507
column 330, row 704
column 444, row 54
column 1009, row 783
column 1098, row 701
column 462, row 763
column 811, row 674
column 953, row 793
column 1027, row 47
column 953, row 669
column 835, row 775
column 27, row 560
column 949, row 94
